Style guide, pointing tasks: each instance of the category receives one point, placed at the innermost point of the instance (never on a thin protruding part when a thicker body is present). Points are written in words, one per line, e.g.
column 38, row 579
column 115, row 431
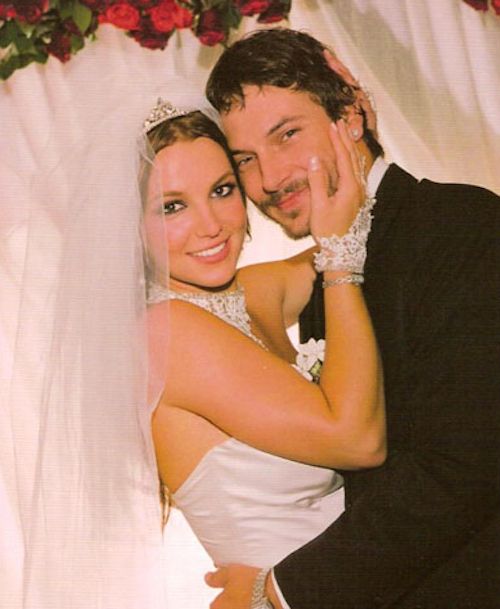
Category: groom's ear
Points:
column 354, row 120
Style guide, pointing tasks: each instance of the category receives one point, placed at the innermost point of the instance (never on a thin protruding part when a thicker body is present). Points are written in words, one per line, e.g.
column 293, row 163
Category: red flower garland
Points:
column 32, row 30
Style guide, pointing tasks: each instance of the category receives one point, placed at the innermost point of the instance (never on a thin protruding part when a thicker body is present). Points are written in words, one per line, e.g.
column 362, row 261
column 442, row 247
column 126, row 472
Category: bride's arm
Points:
column 282, row 284
column 215, row 371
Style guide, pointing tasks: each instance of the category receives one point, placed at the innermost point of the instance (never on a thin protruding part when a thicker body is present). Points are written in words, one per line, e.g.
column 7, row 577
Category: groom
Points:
column 422, row 531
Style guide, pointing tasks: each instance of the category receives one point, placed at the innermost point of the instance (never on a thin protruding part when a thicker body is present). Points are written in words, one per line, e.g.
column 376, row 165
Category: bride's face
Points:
column 201, row 214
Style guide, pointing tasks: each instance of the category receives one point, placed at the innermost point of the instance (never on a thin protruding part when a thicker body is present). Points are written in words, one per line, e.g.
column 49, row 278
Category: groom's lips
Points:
column 290, row 201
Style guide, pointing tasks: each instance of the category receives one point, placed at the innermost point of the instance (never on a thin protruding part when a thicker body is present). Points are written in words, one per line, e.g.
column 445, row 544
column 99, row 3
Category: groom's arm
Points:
column 441, row 482
column 424, row 506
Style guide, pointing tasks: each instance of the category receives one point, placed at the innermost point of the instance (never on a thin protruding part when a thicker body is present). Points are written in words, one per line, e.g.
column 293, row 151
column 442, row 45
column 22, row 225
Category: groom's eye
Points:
column 289, row 133
column 241, row 161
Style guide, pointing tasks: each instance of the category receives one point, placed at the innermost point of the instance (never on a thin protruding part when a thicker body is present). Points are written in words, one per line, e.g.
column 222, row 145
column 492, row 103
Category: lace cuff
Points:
column 346, row 253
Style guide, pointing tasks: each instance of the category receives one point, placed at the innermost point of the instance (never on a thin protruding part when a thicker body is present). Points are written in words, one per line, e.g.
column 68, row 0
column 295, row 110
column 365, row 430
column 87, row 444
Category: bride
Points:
column 245, row 442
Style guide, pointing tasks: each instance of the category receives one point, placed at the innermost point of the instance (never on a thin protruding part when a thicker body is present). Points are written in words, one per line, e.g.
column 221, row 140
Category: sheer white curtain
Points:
column 434, row 70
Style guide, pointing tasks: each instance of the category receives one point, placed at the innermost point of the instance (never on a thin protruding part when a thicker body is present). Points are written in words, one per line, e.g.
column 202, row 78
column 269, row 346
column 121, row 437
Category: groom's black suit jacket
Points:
column 422, row 531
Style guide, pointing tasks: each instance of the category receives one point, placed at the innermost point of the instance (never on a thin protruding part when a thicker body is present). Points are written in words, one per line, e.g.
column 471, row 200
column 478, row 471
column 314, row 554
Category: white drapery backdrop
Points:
column 434, row 71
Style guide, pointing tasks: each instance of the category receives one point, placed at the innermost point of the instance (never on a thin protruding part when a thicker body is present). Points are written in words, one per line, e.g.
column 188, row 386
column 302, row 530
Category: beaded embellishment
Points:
column 347, row 253
column 230, row 306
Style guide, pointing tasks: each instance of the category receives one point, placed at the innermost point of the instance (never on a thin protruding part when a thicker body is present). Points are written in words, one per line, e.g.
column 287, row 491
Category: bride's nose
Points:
column 208, row 224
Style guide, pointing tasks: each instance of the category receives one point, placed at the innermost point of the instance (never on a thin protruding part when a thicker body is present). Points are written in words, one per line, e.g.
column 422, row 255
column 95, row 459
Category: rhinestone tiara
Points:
column 163, row 111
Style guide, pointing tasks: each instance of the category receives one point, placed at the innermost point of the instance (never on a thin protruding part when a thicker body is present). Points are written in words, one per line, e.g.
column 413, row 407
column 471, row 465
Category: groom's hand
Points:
column 237, row 581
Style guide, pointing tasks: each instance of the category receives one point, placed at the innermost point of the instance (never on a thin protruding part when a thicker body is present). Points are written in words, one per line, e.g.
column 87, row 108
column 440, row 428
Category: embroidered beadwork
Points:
column 230, row 306
column 346, row 253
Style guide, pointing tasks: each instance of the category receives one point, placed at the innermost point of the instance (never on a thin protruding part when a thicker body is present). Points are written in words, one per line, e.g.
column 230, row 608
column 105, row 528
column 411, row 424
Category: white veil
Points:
column 84, row 471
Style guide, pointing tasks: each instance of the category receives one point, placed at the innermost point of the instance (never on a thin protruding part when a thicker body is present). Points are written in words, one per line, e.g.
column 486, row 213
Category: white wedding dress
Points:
column 245, row 505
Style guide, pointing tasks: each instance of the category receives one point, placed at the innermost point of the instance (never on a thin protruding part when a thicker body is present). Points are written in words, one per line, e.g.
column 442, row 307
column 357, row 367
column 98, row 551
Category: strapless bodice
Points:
column 248, row 506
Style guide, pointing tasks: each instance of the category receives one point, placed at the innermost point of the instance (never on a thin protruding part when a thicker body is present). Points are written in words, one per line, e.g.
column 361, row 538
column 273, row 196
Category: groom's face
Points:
column 273, row 135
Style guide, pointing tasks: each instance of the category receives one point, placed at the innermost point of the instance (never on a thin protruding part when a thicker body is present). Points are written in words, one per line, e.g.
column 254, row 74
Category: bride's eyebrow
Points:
column 172, row 193
column 225, row 176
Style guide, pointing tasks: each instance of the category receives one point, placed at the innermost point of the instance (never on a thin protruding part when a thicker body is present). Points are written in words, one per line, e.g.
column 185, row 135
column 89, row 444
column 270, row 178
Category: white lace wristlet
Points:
column 346, row 253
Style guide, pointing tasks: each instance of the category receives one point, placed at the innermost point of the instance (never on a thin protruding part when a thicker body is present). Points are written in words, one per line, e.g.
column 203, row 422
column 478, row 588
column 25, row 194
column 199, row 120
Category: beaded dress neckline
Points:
column 229, row 305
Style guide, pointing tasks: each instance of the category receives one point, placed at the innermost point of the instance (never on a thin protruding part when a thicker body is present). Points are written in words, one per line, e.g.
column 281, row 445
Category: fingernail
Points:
column 314, row 163
column 333, row 127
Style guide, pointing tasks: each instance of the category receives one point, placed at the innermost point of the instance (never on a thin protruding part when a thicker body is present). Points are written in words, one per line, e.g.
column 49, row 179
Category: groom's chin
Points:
column 296, row 228
column 296, row 235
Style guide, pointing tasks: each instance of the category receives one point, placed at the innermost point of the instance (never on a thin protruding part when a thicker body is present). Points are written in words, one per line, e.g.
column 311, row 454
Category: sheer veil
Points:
column 84, row 477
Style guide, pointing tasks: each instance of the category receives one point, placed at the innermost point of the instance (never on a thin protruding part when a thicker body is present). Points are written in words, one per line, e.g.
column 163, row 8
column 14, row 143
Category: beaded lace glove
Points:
column 259, row 599
column 346, row 253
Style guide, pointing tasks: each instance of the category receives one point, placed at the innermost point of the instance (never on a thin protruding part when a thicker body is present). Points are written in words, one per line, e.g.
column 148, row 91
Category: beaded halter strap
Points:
column 229, row 306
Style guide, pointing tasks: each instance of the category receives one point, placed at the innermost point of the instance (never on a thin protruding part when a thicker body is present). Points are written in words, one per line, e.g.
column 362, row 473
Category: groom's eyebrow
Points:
column 281, row 123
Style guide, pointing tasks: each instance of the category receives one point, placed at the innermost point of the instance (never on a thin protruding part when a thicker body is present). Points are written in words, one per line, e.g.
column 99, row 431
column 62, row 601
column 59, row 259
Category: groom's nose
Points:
column 274, row 172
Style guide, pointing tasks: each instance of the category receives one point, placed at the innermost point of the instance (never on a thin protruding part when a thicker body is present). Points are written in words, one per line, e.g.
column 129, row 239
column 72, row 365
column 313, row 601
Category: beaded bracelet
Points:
column 354, row 278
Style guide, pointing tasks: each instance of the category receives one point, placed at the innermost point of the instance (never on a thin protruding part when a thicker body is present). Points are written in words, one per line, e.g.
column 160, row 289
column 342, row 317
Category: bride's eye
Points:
column 172, row 207
column 223, row 190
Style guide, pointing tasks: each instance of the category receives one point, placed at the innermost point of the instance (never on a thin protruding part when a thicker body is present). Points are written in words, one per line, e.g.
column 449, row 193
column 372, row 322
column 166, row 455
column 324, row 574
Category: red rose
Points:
column 98, row 6
column 210, row 29
column 182, row 17
column 149, row 38
column 479, row 5
column 162, row 16
column 252, row 7
column 7, row 11
column 146, row 3
column 122, row 15
column 60, row 46
column 275, row 12
column 30, row 11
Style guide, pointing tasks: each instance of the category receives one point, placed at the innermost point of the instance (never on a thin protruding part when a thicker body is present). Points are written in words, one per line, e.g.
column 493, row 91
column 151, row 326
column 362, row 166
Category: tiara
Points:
column 163, row 111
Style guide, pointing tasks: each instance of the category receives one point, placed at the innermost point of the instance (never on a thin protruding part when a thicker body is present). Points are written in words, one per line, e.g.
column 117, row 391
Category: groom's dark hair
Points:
column 281, row 58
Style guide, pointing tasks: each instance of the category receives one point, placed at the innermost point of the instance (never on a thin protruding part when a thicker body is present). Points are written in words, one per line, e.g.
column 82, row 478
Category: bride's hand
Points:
column 335, row 206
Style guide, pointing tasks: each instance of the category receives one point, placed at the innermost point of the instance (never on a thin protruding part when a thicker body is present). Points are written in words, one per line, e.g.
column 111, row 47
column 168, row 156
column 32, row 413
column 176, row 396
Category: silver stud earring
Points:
column 355, row 133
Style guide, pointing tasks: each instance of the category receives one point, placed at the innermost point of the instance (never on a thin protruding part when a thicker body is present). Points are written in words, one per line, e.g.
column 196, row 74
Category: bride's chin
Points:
column 180, row 285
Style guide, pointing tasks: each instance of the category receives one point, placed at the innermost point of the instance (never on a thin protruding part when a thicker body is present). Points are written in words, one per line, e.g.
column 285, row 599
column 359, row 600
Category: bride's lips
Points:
column 213, row 254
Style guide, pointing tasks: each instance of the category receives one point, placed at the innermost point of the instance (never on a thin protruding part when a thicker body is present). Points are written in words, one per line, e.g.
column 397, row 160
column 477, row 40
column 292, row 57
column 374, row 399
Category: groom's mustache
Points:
column 275, row 198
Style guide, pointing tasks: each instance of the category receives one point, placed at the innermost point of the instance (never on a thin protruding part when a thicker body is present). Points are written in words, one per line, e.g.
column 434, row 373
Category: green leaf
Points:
column 17, row 62
column 66, row 9
column 7, row 67
column 26, row 28
column 24, row 45
column 9, row 32
column 232, row 17
column 82, row 16
column 77, row 43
